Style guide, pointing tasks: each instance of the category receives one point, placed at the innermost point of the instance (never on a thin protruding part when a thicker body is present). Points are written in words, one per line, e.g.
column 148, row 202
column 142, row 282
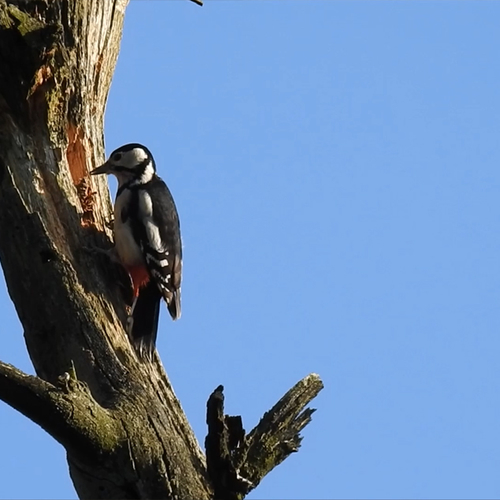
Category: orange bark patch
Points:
column 76, row 156
column 44, row 75
column 75, row 153
column 87, row 199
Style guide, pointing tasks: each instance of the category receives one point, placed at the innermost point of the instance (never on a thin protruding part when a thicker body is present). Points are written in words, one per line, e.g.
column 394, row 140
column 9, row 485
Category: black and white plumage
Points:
column 147, row 240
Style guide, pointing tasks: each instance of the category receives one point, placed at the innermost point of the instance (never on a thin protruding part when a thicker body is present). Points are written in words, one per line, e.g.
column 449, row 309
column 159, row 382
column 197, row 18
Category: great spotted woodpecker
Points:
column 147, row 240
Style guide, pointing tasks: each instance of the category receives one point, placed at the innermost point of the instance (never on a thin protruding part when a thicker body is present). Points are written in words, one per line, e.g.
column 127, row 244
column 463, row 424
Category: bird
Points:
column 147, row 241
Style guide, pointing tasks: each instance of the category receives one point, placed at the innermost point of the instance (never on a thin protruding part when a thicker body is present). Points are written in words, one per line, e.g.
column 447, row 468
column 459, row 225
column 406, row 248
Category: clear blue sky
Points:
column 336, row 170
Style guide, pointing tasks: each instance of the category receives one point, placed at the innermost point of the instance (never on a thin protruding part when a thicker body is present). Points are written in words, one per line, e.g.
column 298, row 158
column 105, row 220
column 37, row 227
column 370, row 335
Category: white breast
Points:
column 128, row 250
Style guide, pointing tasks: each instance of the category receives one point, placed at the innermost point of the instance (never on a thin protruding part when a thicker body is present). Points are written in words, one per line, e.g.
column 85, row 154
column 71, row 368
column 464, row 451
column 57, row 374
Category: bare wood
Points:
column 277, row 435
column 237, row 463
column 125, row 433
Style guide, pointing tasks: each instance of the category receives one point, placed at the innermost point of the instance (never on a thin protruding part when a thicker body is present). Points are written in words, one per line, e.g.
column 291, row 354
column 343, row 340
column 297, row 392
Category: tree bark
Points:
column 123, row 428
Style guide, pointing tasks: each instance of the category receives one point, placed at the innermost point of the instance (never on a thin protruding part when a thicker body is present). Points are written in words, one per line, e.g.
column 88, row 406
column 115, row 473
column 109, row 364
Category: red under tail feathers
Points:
column 140, row 277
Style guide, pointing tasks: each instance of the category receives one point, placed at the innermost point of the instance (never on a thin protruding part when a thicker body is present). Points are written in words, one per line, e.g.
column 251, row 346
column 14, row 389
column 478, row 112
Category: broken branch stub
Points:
column 237, row 462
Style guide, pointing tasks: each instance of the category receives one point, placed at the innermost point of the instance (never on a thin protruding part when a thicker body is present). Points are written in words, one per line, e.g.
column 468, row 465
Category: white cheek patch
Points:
column 136, row 155
column 148, row 174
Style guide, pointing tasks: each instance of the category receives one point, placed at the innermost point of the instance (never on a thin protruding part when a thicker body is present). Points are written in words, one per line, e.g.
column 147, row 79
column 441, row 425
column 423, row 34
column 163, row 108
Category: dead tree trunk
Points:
column 117, row 416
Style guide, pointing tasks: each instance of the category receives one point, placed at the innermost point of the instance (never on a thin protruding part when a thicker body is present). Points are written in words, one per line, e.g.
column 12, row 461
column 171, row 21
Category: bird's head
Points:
column 130, row 163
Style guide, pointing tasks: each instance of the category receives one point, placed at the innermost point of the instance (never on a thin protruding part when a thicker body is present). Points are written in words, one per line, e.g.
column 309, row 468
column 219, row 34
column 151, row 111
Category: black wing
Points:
column 157, row 229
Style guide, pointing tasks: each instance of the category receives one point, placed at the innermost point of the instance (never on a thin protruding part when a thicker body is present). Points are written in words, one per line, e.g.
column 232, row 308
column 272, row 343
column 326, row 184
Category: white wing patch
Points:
column 152, row 230
column 154, row 240
column 165, row 280
column 145, row 203
column 154, row 237
column 158, row 262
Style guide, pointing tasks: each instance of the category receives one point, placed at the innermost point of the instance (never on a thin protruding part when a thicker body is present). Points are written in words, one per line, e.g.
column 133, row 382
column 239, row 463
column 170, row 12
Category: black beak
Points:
column 103, row 169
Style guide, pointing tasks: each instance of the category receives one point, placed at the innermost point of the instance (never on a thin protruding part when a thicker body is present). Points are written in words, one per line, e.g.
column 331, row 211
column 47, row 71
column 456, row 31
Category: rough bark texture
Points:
column 125, row 433
column 237, row 462
column 56, row 61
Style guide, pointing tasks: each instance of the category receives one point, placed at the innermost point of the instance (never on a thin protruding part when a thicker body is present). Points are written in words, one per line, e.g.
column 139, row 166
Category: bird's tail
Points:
column 142, row 325
column 174, row 304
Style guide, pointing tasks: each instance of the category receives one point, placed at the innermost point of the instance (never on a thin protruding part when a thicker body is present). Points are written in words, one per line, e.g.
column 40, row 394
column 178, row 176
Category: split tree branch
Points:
column 237, row 463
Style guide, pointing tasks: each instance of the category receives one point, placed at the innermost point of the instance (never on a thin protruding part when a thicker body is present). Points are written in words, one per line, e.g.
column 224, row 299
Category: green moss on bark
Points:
column 25, row 24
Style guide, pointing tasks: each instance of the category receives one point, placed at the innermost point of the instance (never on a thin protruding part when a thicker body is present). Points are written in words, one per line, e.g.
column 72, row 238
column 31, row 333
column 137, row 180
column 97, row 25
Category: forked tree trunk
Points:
column 125, row 433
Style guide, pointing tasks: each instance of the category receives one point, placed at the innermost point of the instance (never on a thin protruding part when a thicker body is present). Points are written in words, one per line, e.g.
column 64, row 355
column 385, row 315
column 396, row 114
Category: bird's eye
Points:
column 117, row 157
